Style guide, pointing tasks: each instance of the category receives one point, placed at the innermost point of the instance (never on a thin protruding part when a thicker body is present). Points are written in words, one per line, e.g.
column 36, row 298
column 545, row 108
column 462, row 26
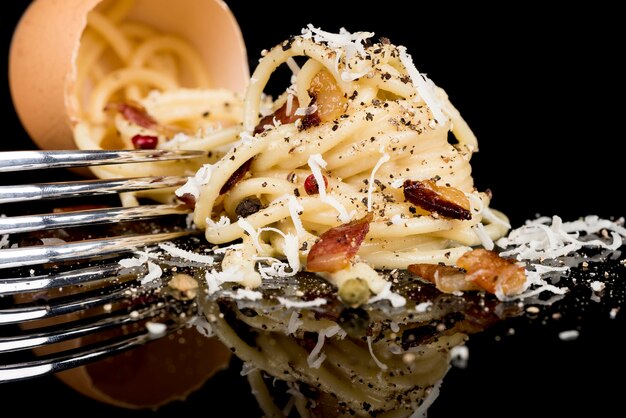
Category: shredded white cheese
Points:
column 156, row 328
column 294, row 323
column 187, row 255
column 569, row 335
column 295, row 209
column 315, row 359
column 289, row 303
column 316, row 163
column 350, row 43
column 154, row 272
column 423, row 307
column 254, row 234
column 381, row 365
column 597, row 286
column 215, row 279
column 248, row 294
column 459, row 355
column 395, row 299
column 483, row 236
column 195, row 183
column 370, row 187
column 424, row 86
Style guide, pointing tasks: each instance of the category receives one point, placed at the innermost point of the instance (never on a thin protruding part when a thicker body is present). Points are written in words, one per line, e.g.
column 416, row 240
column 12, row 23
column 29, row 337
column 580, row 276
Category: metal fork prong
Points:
column 71, row 330
column 27, row 370
column 29, row 223
column 42, row 254
column 29, row 284
column 30, row 312
column 41, row 191
column 32, row 160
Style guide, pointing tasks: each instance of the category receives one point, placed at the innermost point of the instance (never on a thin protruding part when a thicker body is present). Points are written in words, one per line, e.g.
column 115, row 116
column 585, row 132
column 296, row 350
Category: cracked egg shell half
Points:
column 43, row 59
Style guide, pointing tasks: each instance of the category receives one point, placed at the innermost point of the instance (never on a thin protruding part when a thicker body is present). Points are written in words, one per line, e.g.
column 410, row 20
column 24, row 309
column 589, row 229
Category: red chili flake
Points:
column 144, row 141
column 236, row 176
column 311, row 186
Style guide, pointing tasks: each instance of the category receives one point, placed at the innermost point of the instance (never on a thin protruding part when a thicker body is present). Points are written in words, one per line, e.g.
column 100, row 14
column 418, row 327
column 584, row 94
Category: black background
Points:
column 541, row 91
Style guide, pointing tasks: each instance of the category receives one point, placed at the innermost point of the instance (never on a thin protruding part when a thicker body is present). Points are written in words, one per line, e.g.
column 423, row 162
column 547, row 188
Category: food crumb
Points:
column 569, row 335
column 532, row 310
column 613, row 313
column 459, row 355
column 597, row 286
column 156, row 328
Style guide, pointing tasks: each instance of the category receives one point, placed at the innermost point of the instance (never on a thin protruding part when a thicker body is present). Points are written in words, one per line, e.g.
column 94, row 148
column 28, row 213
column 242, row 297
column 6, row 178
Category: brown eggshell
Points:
column 46, row 41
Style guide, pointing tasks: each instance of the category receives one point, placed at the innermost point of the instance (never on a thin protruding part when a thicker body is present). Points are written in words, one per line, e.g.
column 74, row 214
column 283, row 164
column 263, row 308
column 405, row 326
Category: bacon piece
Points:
column 338, row 245
column 135, row 113
column 329, row 98
column 477, row 270
column 447, row 279
column 281, row 115
column 445, row 201
column 236, row 176
column 492, row 272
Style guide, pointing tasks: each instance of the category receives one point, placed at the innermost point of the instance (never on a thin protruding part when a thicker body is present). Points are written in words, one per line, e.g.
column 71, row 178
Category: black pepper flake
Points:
column 354, row 94
column 264, row 184
column 206, row 114
column 405, row 79
column 412, row 210
column 296, row 192
column 369, row 116
column 335, row 127
column 384, row 41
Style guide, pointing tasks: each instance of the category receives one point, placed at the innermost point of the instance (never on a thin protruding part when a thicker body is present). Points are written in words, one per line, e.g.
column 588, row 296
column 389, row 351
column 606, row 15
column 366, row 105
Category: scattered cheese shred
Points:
column 370, row 187
column 241, row 294
column 316, row 358
column 424, row 86
column 195, row 183
column 156, row 328
column 381, row 365
column 316, row 163
column 395, row 299
column 459, row 355
column 187, row 255
column 294, row 323
column 154, row 272
column 481, row 233
column 289, row 303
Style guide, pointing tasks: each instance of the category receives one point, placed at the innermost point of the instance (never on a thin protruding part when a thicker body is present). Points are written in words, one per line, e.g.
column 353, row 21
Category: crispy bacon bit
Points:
column 310, row 119
column 144, row 141
column 188, row 199
column 280, row 115
column 135, row 113
column 311, row 186
column 492, row 272
column 338, row 246
column 477, row 270
column 447, row 279
column 236, row 176
column 445, row 201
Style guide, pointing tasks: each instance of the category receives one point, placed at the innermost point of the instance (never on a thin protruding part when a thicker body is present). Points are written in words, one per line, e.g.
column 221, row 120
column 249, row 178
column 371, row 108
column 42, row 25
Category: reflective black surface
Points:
column 539, row 89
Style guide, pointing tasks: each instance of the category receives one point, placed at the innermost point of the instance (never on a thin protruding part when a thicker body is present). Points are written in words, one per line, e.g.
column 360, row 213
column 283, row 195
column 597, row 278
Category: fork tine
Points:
column 76, row 329
column 28, row 223
column 29, row 284
column 31, row 160
column 32, row 311
column 30, row 369
column 42, row 254
column 40, row 191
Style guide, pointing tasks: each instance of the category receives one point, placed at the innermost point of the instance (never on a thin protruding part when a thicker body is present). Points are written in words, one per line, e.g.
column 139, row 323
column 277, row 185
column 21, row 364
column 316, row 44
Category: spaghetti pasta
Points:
column 359, row 134
column 126, row 62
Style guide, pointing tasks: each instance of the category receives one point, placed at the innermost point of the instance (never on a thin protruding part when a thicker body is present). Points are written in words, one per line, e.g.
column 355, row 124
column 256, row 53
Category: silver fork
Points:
column 54, row 293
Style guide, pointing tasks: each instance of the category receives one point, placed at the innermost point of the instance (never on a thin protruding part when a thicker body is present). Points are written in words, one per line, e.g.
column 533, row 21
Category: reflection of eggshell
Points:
column 46, row 42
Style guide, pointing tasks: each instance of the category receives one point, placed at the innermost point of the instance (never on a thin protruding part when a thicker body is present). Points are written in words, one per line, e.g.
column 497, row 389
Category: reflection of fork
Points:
column 61, row 291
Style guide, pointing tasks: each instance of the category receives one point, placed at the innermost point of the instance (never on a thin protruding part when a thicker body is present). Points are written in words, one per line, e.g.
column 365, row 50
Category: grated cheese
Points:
column 248, row 294
column 370, row 187
column 295, row 209
column 154, row 272
column 215, row 279
column 423, row 307
column 597, row 286
column 294, row 323
column 481, row 233
column 381, row 365
column 316, row 163
column 254, row 234
column 424, row 86
column 187, row 255
column 395, row 299
column 459, row 355
column 350, row 43
column 315, row 359
column 156, row 329
column 195, row 183
column 569, row 335
column 289, row 303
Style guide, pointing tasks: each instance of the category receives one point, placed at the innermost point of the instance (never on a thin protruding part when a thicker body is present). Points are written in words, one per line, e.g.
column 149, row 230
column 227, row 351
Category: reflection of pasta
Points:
column 364, row 121
column 122, row 61
column 343, row 376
